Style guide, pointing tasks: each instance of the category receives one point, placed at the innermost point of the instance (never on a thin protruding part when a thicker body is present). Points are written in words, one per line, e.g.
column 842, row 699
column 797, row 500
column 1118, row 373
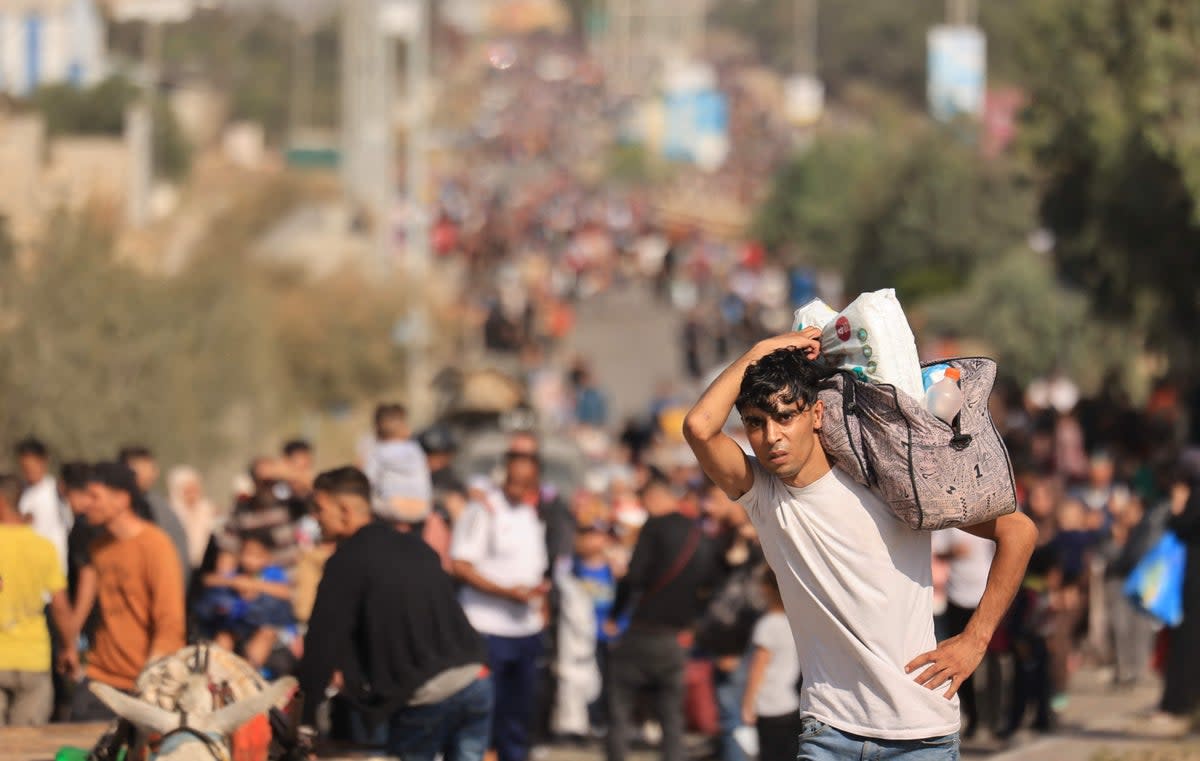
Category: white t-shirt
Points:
column 777, row 694
column 969, row 561
column 507, row 546
column 40, row 501
column 857, row 586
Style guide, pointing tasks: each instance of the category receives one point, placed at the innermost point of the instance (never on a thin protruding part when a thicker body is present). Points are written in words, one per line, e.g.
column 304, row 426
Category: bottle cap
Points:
column 953, row 373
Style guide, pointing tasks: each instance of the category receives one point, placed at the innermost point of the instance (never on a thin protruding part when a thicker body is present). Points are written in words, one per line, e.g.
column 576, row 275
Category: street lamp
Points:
column 153, row 14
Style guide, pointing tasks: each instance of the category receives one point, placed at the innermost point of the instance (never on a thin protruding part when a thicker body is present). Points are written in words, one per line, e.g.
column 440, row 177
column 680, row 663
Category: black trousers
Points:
column 654, row 662
column 778, row 737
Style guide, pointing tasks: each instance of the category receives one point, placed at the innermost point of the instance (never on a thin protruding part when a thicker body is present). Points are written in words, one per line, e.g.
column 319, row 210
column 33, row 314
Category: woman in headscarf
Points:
column 195, row 511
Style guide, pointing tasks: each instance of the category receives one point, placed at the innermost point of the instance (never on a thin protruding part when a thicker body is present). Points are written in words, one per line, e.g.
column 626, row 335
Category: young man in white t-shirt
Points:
column 855, row 581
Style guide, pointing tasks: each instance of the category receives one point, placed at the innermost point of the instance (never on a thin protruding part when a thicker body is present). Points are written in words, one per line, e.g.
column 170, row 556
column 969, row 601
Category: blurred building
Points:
column 50, row 42
column 42, row 174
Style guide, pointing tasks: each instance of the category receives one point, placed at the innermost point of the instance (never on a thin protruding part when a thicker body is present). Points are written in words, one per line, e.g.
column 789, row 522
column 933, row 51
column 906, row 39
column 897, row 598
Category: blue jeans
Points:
column 513, row 661
column 821, row 742
column 457, row 727
column 730, row 686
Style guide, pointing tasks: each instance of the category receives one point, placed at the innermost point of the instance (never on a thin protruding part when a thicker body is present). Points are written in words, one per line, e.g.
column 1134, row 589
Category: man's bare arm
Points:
column 957, row 658
column 64, row 621
column 1015, row 536
column 85, row 597
column 720, row 456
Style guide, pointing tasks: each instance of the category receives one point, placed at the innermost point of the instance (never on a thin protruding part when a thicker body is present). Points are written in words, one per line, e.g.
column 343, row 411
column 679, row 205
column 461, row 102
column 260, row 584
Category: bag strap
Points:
column 849, row 399
column 681, row 561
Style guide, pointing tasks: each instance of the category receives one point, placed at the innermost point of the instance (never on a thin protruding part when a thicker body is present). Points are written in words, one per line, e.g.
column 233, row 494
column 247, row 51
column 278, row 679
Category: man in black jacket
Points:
column 387, row 630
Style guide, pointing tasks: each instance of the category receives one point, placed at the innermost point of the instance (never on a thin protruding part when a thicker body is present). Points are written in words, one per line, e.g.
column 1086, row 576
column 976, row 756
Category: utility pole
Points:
column 153, row 14
column 960, row 12
column 306, row 23
column 417, row 237
column 368, row 146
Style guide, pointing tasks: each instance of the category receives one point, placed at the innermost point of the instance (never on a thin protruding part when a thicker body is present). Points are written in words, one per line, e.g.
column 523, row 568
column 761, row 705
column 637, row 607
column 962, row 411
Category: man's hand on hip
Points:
column 952, row 662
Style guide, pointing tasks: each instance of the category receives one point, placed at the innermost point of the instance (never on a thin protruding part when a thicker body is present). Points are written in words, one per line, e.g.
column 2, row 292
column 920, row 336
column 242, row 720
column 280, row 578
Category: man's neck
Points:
column 125, row 526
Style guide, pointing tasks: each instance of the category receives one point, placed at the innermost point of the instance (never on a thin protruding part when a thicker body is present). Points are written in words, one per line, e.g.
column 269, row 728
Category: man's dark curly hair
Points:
column 782, row 377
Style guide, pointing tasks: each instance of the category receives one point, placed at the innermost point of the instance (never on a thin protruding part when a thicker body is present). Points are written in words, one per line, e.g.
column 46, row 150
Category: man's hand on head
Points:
column 807, row 340
column 951, row 662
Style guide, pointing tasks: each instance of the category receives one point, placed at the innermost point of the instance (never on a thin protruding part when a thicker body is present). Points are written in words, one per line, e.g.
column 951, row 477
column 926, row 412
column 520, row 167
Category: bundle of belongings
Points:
column 880, row 424
column 201, row 703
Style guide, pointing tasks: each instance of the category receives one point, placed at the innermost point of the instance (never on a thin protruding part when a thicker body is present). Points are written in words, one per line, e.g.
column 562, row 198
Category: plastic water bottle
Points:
column 944, row 399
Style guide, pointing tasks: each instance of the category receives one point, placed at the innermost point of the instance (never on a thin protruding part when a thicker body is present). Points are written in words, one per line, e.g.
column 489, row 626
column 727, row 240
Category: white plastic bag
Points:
column 870, row 337
column 814, row 314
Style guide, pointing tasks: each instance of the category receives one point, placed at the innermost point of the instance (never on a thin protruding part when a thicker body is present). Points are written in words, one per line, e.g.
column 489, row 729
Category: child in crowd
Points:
column 247, row 607
column 403, row 487
column 1034, row 618
column 397, row 468
column 771, row 702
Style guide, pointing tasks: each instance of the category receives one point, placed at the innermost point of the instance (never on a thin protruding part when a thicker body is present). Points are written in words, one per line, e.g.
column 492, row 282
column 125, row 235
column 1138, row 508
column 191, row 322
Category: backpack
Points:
column 931, row 474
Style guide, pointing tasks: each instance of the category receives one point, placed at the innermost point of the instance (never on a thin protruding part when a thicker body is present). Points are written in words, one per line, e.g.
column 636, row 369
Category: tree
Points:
column 97, row 353
column 1033, row 323
column 880, row 42
column 101, row 109
column 1114, row 129
column 916, row 212
column 98, row 110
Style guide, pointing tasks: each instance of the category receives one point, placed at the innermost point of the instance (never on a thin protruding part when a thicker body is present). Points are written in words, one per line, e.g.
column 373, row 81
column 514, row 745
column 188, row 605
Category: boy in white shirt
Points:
column 771, row 703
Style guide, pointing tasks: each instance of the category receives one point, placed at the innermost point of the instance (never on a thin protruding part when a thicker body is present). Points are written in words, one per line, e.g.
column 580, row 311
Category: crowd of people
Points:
column 530, row 220
column 432, row 610
column 638, row 606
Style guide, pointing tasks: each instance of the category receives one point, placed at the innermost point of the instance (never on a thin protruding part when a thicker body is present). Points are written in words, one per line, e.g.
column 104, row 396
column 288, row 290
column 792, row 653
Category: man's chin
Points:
column 784, row 469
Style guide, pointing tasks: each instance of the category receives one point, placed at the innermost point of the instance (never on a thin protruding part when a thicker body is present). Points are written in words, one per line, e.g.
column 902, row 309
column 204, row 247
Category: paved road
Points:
column 1098, row 724
column 632, row 343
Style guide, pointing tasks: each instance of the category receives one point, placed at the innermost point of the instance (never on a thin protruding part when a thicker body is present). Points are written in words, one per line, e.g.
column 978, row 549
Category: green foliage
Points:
column 942, row 213
column 94, row 352
column 1108, row 159
column 260, row 83
column 816, row 197
column 251, row 57
column 1114, row 129
column 880, row 42
column 1033, row 323
column 918, row 216
column 101, row 354
column 172, row 154
column 98, row 110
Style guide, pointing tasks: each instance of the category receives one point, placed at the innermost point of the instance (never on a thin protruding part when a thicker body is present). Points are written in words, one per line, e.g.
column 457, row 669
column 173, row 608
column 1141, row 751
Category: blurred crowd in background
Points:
column 530, row 230
column 1102, row 479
